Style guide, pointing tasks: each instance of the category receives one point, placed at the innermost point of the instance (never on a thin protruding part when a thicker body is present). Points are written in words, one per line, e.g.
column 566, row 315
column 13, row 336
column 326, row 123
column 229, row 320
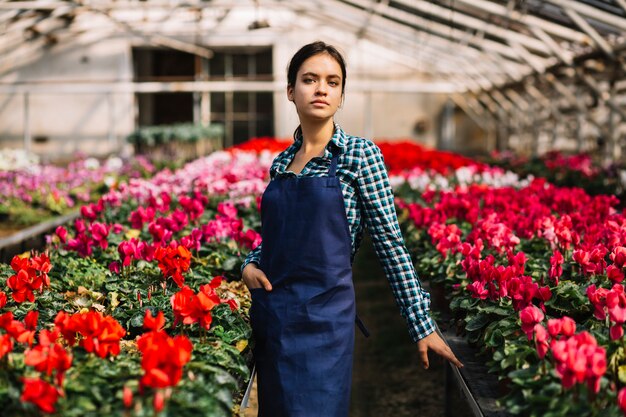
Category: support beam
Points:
column 434, row 28
column 80, row 87
column 477, row 115
column 573, row 100
column 395, row 40
column 27, row 134
column 529, row 20
column 436, row 46
column 531, row 59
column 592, row 12
column 606, row 96
column 156, row 39
column 561, row 53
column 593, row 34
column 461, row 18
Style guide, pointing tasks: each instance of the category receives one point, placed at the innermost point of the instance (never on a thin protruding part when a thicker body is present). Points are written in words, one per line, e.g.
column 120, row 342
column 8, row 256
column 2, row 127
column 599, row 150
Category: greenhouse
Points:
column 333, row 208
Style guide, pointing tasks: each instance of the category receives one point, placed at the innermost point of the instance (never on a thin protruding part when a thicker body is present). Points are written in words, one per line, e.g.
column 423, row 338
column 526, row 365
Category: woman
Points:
column 300, row 277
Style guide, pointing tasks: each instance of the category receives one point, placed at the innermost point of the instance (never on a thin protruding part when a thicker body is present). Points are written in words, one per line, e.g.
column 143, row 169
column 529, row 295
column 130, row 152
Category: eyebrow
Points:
column 312, row 74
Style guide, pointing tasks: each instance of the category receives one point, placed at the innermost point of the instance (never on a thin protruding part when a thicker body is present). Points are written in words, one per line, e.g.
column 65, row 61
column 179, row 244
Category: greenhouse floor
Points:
column 388, row 379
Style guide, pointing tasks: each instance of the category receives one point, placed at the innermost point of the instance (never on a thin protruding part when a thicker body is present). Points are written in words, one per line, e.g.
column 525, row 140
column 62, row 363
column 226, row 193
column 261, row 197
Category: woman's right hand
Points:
column 254, row 278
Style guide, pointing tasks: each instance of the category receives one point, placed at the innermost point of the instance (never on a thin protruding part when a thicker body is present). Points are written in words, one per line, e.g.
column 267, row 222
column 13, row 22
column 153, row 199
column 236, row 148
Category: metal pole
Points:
column 27, row 133
column 369, row 115
column 110, row 105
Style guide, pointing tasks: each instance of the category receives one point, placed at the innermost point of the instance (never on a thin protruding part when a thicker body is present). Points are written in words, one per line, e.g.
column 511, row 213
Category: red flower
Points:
column 100, row 334
column 565, row 326
column 530, row 316
column 158, row 402
column 191, row 308
column 621, row 400
column 49, row 356
column 140, row 216
column 163, row 357
column 61, row 232
column 6, row 344
column 174, row 260
column 556, row 268
column 127, row 396
column 181, row 305
column 154, row 323
column 31, row 275
column 614, row 273
column 618, row 256
column 128, row 251
column 3, row 299
column 579, row 359
column 541, row 340
column 477, row 288
column 99, row 233
column 40, row 393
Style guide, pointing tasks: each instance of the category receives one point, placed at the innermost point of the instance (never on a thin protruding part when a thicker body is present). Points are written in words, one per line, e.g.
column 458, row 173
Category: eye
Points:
column 307, row 80
column 333, row 83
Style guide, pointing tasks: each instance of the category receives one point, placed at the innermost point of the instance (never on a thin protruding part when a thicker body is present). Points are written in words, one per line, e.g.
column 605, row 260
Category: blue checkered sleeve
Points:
column 377, row 204
column 253, row 256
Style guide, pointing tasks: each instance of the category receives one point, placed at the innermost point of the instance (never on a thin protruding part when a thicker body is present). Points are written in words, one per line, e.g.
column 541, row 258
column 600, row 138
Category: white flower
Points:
column 17, row 159
column 114, row 164
column 92, row 163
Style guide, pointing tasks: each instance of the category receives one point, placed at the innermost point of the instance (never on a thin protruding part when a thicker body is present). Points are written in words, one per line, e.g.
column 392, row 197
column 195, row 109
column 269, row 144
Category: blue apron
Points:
column 304, row 328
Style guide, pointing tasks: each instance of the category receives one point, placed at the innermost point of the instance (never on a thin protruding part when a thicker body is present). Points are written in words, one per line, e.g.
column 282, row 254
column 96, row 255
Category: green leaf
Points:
column 477, row 322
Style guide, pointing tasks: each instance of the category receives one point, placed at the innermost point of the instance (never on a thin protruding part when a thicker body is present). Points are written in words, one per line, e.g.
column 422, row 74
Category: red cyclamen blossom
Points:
column 173, row 262
column 40, row 393
column 556, row 268
column 49, row 356
column 621, row 400
column 31, row 274
column 530, row 316
column 100, row 334
column 163, row 357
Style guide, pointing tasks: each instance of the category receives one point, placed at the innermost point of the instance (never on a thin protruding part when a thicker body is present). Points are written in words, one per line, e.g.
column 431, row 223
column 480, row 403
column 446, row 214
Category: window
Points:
column 244, row 114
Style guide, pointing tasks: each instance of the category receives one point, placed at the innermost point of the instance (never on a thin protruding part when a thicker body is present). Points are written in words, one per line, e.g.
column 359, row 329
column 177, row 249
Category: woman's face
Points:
column 317, row 92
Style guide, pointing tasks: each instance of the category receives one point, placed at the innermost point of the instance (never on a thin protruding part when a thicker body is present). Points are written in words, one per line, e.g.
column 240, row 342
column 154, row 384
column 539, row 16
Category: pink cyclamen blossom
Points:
column 530, row 316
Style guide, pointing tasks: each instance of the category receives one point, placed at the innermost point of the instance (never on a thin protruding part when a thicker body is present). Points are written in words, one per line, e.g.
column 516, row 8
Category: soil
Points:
column 6, row 231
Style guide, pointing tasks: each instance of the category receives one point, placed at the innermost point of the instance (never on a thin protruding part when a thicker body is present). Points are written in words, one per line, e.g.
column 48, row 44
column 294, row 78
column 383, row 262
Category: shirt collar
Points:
column 339, row 140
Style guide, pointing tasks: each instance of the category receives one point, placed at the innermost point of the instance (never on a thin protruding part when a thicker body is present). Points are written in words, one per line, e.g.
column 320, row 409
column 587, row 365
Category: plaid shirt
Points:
column 367, row 195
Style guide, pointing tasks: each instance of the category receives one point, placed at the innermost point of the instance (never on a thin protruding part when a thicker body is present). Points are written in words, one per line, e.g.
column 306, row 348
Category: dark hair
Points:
column 306, row 52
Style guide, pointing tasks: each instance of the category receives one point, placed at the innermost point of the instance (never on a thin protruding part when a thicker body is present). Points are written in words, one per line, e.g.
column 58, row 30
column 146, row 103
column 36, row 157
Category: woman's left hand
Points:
column 434, row 342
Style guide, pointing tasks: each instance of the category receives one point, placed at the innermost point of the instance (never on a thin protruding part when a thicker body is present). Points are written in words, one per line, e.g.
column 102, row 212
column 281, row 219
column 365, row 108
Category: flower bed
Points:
column 401, row 155
column 139, row 309
column 533, row 273
column 32, row 193
column 576, row 170
column 136, row 310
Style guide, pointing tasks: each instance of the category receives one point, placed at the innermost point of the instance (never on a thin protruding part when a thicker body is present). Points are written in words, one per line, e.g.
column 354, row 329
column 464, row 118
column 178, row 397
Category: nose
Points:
column 321, row 88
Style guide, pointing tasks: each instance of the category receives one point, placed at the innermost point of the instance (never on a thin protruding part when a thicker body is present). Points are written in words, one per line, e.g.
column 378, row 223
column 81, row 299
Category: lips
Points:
column 319, row 102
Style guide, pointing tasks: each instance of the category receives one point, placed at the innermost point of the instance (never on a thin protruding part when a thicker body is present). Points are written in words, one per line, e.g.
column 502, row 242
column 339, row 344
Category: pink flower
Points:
column 530, row 316
column 541, row 340
column 477, row 288
column 621, row 400
column 614, row 273
column 618, row 256
column 61, row 232
column 115, row 267
column 556, row 269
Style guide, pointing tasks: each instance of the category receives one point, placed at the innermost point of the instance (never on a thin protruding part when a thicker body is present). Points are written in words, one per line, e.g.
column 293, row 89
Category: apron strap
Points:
column 333, row 164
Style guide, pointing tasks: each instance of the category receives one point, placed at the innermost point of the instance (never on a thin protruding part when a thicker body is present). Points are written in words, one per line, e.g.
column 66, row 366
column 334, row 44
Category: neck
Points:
column 315, row 135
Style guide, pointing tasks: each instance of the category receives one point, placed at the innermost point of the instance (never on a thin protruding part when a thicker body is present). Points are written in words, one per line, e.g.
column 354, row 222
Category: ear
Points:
column 290, row 93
